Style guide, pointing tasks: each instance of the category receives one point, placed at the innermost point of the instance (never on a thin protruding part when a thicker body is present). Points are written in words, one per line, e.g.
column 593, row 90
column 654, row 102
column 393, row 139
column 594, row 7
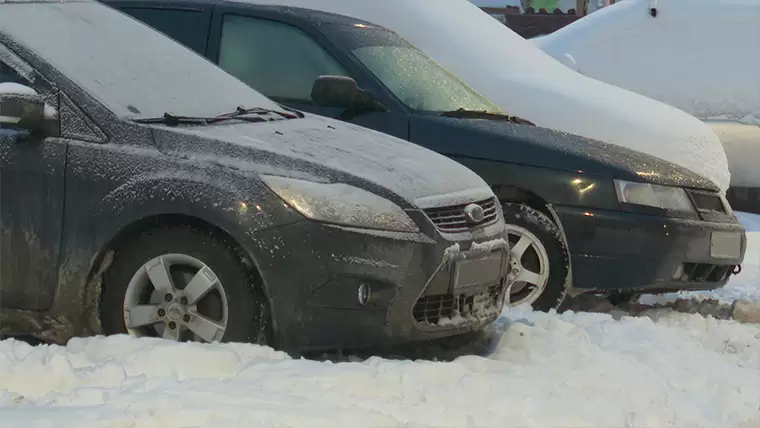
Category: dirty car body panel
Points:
column 613, row 245
column 71, row 197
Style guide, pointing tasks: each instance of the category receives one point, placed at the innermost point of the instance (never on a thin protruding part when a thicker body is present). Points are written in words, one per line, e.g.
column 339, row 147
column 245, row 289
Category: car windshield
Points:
column 413, row 77
column 135, row 71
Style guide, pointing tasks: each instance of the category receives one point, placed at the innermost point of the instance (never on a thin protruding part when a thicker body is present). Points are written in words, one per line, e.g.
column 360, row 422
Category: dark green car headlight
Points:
column 653, row 195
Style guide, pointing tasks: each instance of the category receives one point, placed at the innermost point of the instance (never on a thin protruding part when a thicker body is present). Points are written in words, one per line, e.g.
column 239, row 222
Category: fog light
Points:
column 678, row 273
column 364, row 293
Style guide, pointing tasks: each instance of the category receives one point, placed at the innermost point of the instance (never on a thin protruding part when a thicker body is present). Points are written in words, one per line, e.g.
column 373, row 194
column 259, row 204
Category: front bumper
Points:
column 312, row 273
column 619, row 251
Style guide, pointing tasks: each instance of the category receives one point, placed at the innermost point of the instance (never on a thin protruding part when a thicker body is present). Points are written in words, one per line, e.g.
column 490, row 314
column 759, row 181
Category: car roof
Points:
column 315, row 16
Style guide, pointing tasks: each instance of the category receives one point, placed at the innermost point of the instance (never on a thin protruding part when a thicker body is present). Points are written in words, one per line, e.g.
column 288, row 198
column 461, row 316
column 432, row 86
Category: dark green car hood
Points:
column 546, row 148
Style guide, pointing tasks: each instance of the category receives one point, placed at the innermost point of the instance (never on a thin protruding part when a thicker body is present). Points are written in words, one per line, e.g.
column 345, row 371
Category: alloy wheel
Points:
column 529, row 266
column 177, row 297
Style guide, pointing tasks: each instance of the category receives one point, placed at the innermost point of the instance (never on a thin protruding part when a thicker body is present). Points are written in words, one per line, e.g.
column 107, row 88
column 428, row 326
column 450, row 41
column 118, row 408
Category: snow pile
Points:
column 525, row 81
column 572, row 370
column 700, row 56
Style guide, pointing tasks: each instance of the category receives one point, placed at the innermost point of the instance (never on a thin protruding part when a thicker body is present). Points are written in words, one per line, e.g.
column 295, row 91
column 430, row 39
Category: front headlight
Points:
column 652, row 195
column 341, row 204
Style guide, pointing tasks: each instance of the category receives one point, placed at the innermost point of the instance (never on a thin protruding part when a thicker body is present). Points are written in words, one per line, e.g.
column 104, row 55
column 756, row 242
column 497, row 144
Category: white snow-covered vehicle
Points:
column 524, row 81
column 700, row 56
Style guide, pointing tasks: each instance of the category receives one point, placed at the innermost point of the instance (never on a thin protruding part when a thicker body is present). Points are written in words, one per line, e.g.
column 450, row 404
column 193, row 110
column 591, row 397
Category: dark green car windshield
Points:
column 414, row 78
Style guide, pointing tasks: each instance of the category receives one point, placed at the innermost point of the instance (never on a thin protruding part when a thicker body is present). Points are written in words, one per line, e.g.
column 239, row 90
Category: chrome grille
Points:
column 453, row 218
column 432, row 309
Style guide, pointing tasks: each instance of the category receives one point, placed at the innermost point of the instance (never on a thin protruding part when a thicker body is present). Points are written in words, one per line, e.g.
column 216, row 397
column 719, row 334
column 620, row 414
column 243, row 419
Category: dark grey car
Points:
column 137, row 197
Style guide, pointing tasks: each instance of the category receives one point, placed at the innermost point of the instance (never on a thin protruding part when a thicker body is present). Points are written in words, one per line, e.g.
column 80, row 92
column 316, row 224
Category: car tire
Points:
column 223, row 304
column 540, row 262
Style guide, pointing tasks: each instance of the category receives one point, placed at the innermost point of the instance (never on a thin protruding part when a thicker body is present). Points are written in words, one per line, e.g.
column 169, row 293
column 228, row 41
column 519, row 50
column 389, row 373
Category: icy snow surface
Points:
column 700, row 56
column 525, row 81
column 578, row 370
column 571, row 370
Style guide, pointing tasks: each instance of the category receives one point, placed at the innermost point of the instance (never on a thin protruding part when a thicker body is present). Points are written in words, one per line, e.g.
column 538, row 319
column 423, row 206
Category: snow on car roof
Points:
column 700, row 56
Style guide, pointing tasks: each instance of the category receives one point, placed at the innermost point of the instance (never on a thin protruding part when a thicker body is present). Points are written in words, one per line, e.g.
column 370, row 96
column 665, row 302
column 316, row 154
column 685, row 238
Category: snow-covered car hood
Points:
column 525, row 81
column 319, row 149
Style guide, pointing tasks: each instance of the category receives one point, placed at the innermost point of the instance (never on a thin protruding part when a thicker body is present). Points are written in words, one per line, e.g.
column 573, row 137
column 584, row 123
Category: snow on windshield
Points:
column 134, row 70
column 412, row 76
column 524, row 81
column 701, row 56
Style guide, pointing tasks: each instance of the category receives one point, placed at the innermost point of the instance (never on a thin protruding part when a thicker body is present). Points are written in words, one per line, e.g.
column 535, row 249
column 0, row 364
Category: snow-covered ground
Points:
column 542, row 370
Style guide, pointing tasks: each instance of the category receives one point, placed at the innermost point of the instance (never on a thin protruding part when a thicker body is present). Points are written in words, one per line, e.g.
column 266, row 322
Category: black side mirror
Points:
column 23, row 108
column 342, row 92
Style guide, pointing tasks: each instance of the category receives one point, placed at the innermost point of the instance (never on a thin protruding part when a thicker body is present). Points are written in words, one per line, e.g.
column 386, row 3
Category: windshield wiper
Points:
column 483, row 114
column 241, row 113
column 174, row 120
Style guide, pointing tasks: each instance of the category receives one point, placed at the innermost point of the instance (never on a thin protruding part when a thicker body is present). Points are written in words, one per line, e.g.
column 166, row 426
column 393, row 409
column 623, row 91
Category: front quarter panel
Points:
column 111, row 186
column 553, row 186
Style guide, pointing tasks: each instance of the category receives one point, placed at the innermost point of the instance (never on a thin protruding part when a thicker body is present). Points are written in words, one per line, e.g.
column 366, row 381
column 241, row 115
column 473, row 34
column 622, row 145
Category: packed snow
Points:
column 546, row 370
column 540, row 370
column 525, row 81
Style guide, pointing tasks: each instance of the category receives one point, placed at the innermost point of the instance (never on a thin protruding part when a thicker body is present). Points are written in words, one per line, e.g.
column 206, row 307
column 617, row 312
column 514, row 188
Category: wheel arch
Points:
column 515, row 194
column 104, row 257
column 507, row 193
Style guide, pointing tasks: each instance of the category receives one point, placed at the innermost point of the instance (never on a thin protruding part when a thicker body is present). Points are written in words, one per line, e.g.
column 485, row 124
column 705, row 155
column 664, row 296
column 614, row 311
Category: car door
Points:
column 280, row 58
column 31, row 201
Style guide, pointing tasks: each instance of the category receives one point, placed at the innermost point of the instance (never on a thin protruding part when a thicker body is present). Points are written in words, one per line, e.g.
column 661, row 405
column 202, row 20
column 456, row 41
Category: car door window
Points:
column 9, row 75
column 278, row 60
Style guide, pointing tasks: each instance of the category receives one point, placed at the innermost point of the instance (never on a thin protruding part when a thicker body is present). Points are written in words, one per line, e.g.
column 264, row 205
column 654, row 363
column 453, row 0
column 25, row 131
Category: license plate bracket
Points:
column 725, row 245
column 481, row 271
